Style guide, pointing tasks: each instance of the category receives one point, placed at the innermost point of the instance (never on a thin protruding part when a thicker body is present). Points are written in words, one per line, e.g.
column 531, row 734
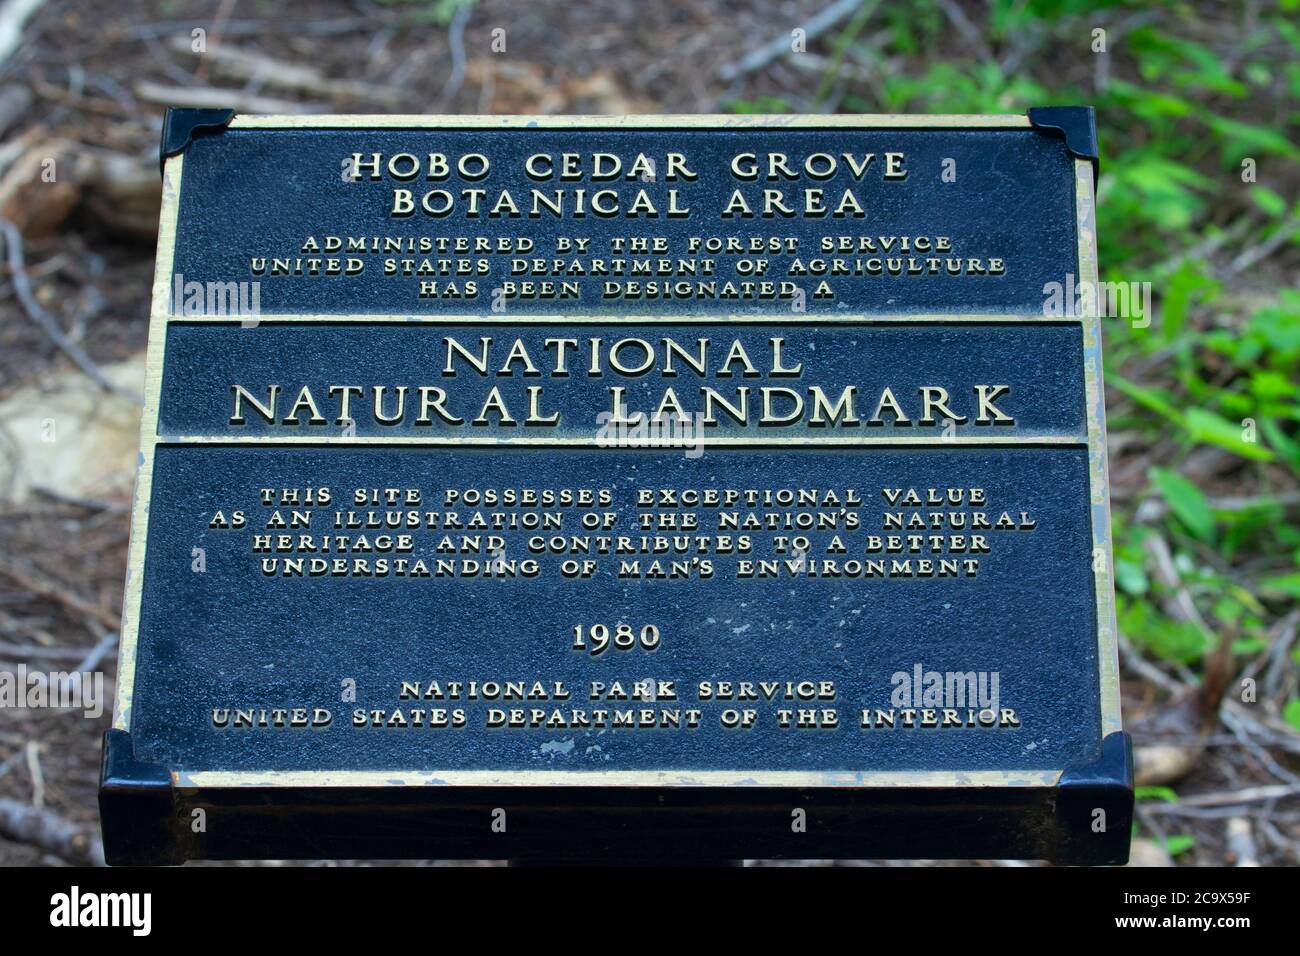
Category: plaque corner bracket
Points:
column 1112, row 769
column 180, row 125
column 1077, row 125
column 136, row 806
column 1095, row 802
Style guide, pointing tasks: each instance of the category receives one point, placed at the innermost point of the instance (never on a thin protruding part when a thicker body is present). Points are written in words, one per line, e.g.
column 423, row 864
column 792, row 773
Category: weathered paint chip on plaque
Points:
column 548, row 487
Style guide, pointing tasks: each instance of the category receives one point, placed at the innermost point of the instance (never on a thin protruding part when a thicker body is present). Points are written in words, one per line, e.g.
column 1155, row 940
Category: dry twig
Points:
column 18, row 273
column 49, row 832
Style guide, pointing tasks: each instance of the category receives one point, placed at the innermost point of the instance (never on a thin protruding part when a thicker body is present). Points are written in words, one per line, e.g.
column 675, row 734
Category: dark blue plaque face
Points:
column 648, row 481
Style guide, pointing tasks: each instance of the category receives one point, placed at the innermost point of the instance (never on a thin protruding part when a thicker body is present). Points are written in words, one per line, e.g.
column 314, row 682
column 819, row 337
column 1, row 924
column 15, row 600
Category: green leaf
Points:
column 1247, row 136
column 1247, row 599
column 1170, row 640
column 1268, row 385
column 1269, row 201
column 764, row 104
column 1131, row 577
column 1179, row 843
column 1166, row 794
column 1149, row 398
column 1249, row 646
column 1279, row 325
column 1186, row 287
column 1291, row 712
column 1207, row 427
column 1285, row 584
column 1186, row 502
column 1286, row 446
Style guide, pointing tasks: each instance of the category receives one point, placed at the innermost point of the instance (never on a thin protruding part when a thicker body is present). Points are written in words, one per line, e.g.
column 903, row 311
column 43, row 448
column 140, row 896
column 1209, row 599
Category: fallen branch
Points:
column 30, row 582
column 780, row 45
column 1133, row 658
column 206, row 97
column 1178, row 604
column 13, row 17
column 13, row 149
column 456, row 41
column 1155, row 508
column 31, row 652
column 258, row 68
column 97, row 653
column 1241, row 842
column 969, row 32
column 53, row 834
column 1263, row 250
column 122, row 192
column 1232, row 798
column 79, row 501
column 18, row 274
column 14, row 102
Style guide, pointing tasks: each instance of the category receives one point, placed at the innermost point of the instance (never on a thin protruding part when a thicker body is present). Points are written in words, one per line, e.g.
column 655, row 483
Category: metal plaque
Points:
column 665, row 488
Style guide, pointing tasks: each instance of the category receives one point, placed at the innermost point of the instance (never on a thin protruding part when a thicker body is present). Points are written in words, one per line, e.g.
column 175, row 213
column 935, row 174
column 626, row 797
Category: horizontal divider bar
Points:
column 200, row 779
column 590, row 319
column 1009, row 441
column 702, row 121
